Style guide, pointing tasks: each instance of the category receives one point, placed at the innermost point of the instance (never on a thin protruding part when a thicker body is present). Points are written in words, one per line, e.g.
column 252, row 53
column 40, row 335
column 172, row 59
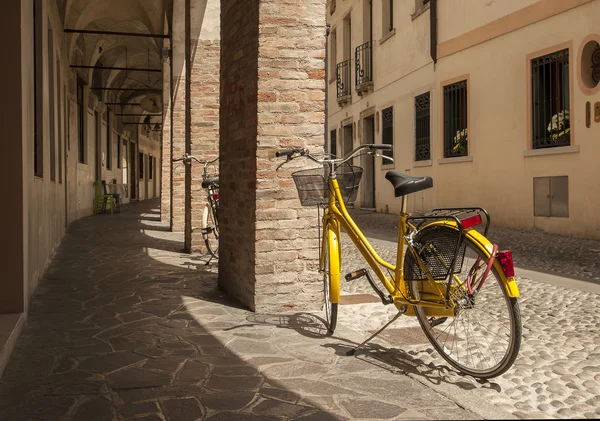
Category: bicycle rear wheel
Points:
column 210, row 230
column 483, row 337
column 331, row 269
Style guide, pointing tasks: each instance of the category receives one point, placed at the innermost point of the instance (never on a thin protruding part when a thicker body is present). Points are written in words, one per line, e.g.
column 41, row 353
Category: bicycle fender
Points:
column 334, row 266
column 510, row 284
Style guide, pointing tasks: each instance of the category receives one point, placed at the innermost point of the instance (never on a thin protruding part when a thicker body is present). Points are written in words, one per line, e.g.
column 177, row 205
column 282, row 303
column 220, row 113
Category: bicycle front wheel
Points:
column 483, row 337
column 210, row 231
column 331, row 275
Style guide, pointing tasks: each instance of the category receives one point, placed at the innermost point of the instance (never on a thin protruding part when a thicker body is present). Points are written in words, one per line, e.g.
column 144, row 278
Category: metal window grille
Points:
column 550, row 100
column 363, row 56
column 455, row 120
column 333, row 143
column 342, row 72
column 422, row 128
column 387, row 132
column 596, row 65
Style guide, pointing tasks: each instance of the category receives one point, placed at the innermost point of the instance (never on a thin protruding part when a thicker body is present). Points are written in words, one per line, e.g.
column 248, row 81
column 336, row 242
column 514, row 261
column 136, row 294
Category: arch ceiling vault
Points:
column 92, row 30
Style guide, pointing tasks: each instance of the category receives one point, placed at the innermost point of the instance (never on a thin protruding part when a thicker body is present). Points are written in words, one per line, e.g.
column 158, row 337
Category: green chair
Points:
column 101, row 199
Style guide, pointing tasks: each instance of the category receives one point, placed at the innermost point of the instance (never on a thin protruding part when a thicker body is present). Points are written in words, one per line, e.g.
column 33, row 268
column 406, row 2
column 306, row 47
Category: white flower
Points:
column 559, row 121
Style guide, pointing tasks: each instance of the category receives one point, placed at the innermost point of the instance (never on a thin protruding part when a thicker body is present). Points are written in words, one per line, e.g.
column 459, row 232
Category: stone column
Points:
column 178, row 110
column 204, row 104
column 12, row 108
column 272, row 97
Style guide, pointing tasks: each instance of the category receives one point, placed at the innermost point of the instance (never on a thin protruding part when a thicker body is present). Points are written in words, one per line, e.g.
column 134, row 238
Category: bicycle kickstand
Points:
column 209, row 260
column 373, row 336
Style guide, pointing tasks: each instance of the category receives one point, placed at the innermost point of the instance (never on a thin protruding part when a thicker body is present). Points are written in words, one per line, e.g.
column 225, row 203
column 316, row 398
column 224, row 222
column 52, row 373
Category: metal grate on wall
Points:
column 333, row 143
column 343, row 78
column 550, row 100
column 422, row 127
column 455, row 120
column 387, row 133
column 363, row 58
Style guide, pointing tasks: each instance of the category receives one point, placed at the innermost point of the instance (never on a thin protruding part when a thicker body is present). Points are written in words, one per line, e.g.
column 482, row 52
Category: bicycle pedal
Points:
column 207, row 230
column 356, row 274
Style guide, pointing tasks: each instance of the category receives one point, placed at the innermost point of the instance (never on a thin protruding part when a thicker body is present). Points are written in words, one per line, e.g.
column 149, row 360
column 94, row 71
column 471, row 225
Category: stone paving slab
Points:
column 125, row 327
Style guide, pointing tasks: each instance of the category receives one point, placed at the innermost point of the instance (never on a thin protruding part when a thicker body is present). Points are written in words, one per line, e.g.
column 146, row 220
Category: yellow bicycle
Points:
column 459, row 286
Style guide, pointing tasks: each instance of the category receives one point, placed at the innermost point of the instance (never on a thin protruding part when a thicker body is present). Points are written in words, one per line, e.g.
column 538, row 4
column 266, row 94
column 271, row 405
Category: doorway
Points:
column 368, row 164
column 132, row 172
column 97, row 151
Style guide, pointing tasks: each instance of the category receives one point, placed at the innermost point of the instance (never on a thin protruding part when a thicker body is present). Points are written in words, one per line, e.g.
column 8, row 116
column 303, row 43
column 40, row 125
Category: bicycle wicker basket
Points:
column 313, row 187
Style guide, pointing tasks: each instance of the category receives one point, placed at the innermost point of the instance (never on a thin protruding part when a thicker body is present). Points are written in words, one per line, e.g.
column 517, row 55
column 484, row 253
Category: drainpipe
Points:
column 433, row 29
column 326, row 127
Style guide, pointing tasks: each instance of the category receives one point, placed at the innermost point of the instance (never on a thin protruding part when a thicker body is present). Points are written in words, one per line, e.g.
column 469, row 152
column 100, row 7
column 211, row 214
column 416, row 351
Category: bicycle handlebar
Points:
column 289, row 154
column 187, row 156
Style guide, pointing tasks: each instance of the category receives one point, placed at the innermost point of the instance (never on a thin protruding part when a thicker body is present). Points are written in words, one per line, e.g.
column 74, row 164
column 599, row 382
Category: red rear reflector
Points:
column 506, row 260
column 471, row 221
column 215, row 196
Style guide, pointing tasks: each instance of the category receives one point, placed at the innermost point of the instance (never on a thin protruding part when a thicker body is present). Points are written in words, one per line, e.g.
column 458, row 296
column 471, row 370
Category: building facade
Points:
column 498, row 101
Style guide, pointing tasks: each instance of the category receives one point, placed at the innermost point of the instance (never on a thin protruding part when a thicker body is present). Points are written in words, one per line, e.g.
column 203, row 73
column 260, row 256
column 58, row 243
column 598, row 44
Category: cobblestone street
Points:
column 557, row 373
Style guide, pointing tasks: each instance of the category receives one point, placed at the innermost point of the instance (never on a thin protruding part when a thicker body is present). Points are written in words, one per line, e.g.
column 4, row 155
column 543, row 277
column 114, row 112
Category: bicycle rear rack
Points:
column 458, row 215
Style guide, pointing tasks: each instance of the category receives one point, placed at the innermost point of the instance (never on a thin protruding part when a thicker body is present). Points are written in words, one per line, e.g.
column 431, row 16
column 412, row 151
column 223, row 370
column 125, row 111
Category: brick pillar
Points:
column 166, row 167
column 178, row 109
column 272, row 97
column 204, row 104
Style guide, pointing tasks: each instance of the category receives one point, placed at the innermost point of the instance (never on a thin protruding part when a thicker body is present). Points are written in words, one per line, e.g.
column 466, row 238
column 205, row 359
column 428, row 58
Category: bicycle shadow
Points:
column 394, row 360
column 400, row 361
column 306, row 324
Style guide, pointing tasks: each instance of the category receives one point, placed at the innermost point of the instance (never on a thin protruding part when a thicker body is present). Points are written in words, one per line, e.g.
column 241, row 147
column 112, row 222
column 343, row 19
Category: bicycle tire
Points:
column 331, row 309
column 488, row 334
column 210, row 231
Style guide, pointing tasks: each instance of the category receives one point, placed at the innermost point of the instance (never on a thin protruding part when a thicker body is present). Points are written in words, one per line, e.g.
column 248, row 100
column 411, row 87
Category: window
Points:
column 550, row 100
column 551, row 196
column 333, row 143
column 455, row 120
column 141, row 164
column 38, row 87
column 108, row 142
column 119, row 152
column 150, row 169
column 387, row 132
column 59, row 111
column 422, row 128
column 51, row 103
column 388, row 16
column 80, row 122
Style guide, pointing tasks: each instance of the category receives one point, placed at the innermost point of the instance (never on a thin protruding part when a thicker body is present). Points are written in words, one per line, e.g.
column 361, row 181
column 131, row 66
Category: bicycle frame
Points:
column 336, row 216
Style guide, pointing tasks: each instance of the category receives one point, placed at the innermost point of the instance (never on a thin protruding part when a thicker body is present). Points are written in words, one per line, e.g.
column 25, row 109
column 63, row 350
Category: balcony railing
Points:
column 344, row 81
column 364, row 66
